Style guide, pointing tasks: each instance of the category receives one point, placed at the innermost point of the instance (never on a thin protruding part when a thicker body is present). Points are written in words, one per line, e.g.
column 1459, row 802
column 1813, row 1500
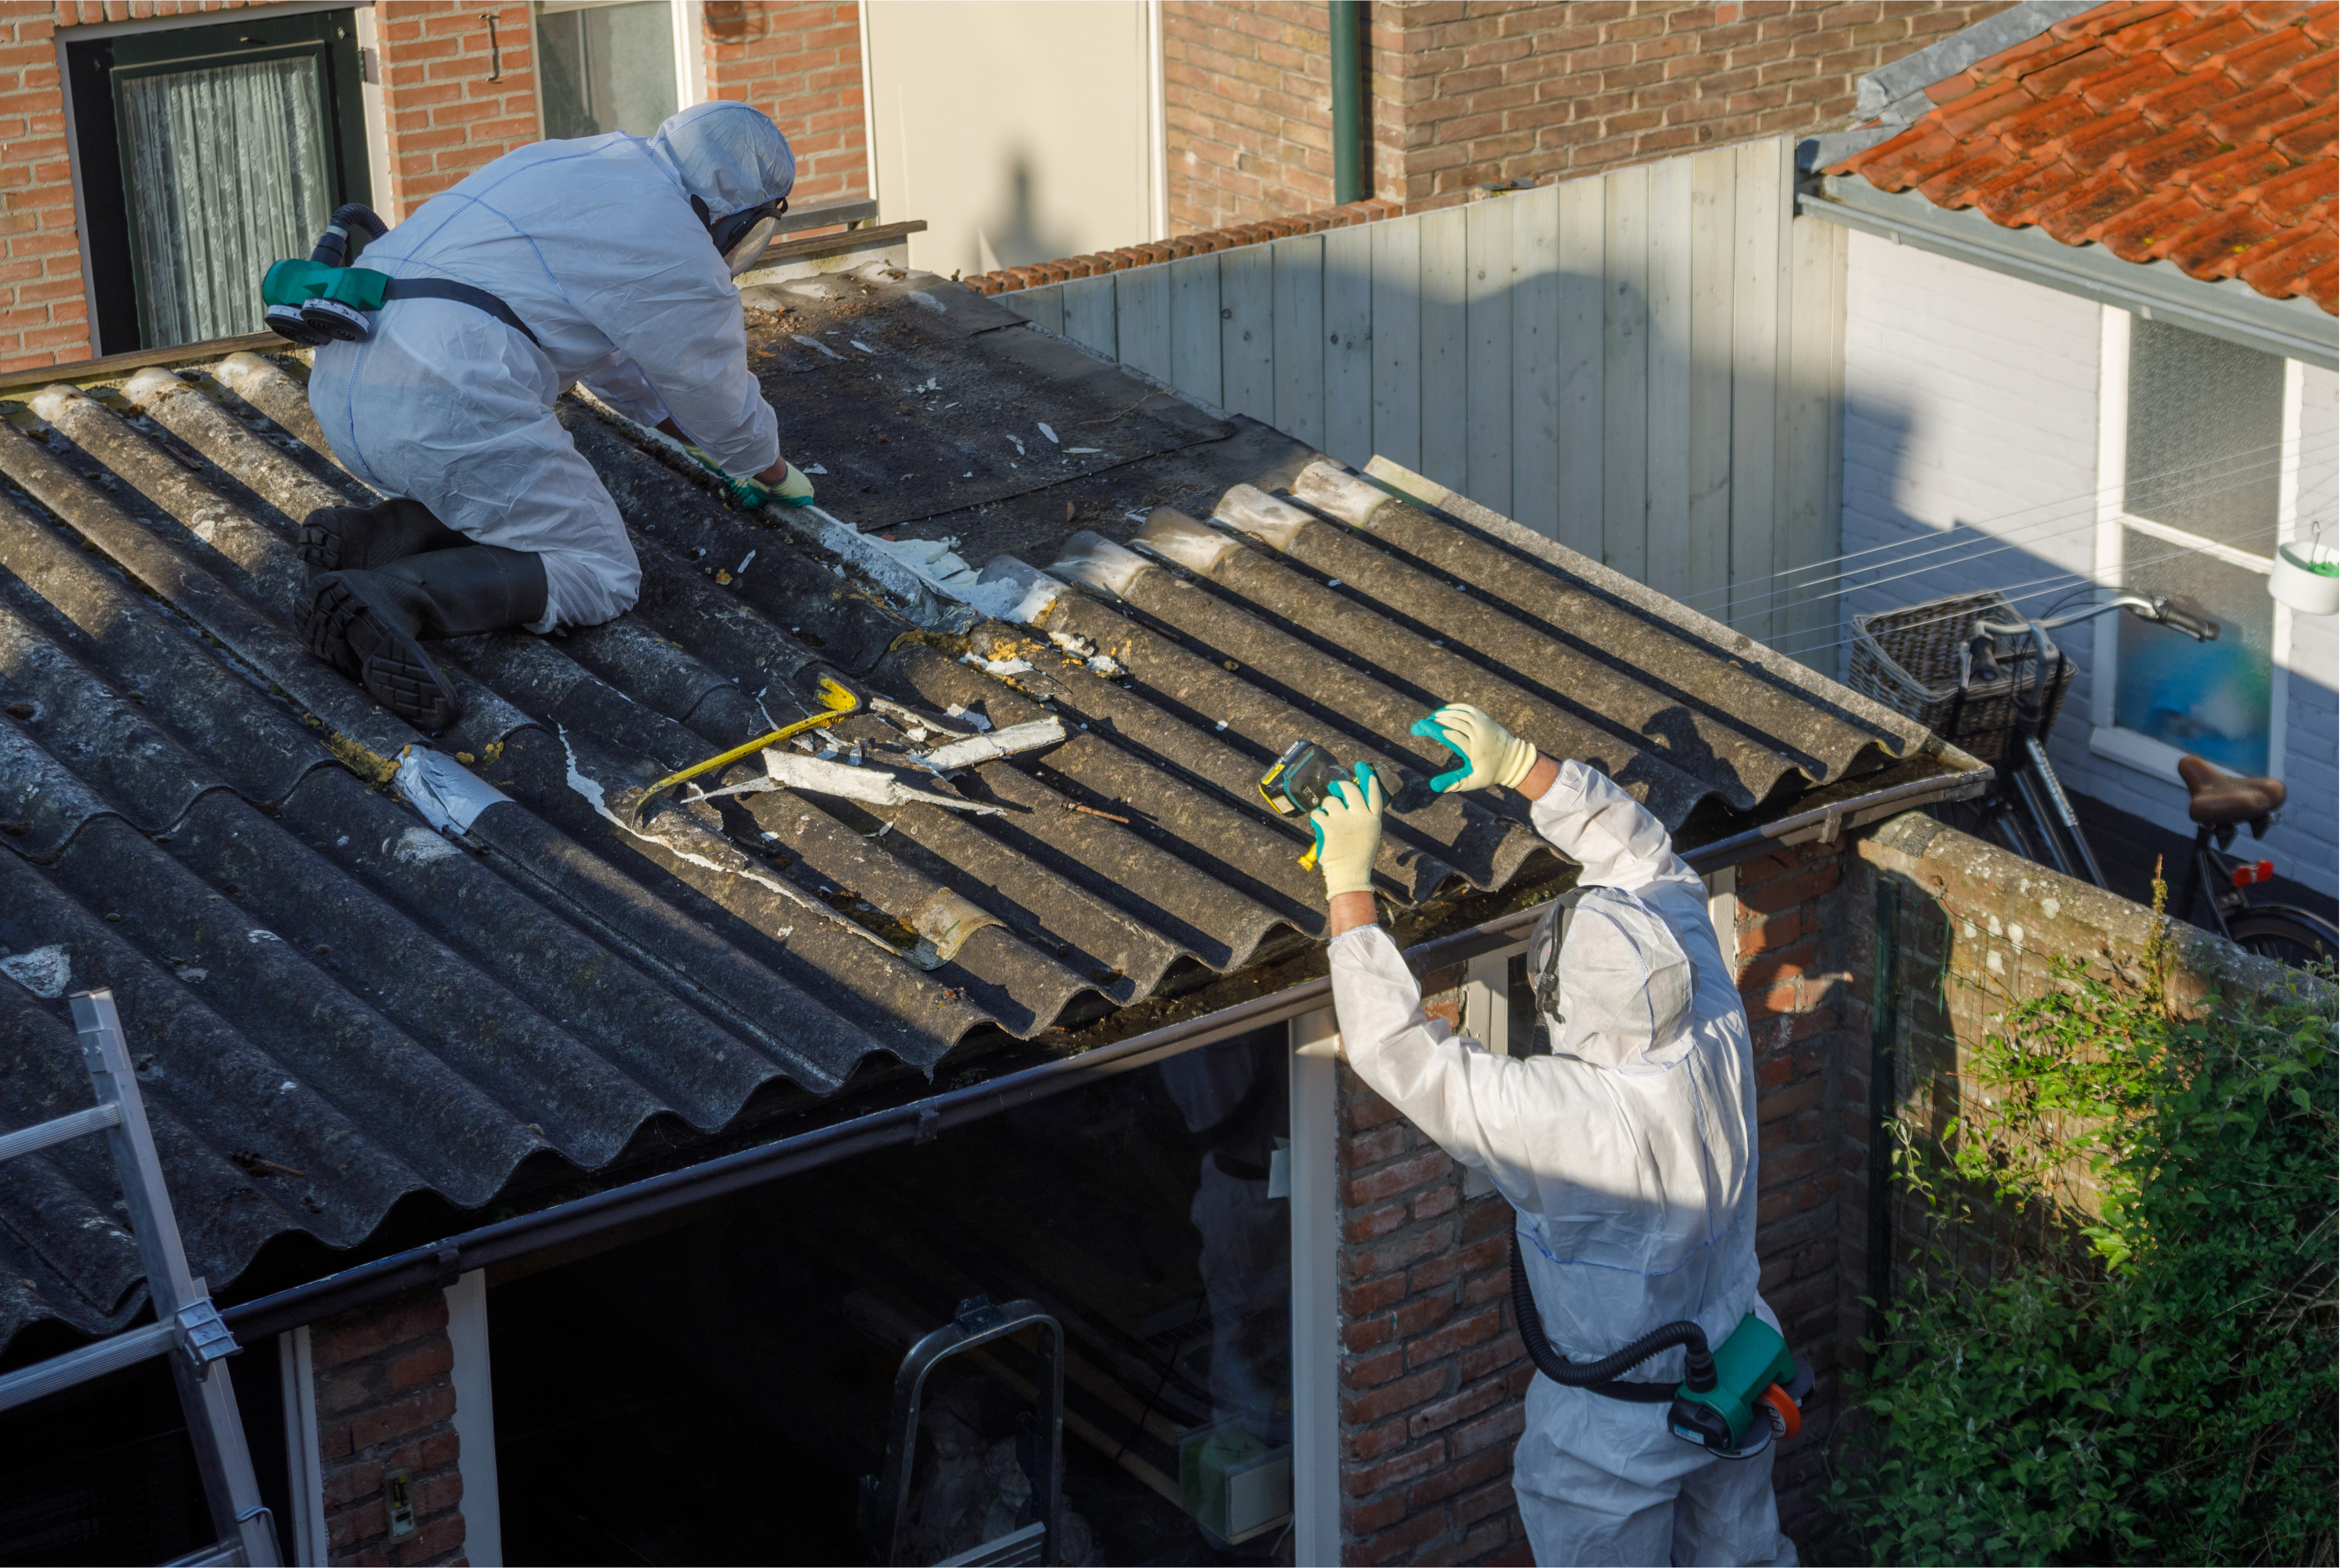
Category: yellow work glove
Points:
column 1491, row 754
column 794, row 489
column 1348, row 832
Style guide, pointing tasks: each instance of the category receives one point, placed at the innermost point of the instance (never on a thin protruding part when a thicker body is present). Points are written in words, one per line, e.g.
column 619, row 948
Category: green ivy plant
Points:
column 2151, row 1383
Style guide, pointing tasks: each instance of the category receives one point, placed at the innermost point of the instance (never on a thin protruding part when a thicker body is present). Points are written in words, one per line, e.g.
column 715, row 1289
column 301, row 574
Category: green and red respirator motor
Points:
column 1733, row 1399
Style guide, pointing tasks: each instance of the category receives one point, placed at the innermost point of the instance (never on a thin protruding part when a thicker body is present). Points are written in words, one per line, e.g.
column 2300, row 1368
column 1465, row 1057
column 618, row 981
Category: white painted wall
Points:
column 1019, row 130
column 1971, row 406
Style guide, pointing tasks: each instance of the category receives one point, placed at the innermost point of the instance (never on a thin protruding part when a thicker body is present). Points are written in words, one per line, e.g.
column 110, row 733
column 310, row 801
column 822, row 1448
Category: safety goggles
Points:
column 743, row 236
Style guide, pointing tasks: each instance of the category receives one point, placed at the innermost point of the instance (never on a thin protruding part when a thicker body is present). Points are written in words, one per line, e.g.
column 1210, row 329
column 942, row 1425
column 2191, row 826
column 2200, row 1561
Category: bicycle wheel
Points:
column 2287, row 937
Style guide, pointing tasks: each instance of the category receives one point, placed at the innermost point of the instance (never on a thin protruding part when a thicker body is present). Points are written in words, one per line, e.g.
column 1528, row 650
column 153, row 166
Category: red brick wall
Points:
column 1248, row 109
column 1432, row 1372
column 444, row 117
column 1467, row 92
column 386, row 1402
column 43, row 315
column 799, row 60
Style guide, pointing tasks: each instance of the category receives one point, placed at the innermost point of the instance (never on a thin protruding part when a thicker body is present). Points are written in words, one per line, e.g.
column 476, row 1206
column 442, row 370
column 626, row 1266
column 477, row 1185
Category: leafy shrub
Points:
column 2159, row 1388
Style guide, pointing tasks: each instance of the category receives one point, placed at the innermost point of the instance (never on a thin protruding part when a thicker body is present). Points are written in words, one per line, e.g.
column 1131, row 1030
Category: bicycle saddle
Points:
column 2223, row 798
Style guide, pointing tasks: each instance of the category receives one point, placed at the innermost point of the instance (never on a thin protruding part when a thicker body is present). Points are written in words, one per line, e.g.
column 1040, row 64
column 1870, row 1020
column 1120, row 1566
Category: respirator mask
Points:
column 743, row 236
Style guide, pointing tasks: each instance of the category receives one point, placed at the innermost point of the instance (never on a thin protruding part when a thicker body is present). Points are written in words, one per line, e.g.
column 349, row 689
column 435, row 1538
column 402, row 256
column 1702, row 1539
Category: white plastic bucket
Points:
column 2294, row 582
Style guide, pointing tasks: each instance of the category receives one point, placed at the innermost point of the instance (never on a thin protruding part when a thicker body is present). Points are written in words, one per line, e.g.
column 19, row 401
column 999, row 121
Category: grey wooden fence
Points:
column 1645, row 365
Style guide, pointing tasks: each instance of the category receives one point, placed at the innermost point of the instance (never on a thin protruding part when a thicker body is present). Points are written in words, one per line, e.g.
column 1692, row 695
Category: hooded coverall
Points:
column 595, row 245
column 1629, row 1155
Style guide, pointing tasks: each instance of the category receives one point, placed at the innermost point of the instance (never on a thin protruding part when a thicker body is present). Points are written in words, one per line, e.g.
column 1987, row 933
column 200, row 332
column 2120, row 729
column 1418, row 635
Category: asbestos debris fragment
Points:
column 1008, row 742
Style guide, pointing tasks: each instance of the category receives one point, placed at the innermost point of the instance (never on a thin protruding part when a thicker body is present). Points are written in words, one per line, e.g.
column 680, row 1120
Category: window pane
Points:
column 2209, row 698
column 227, row 173
column 743, row 1366
column 606, row 67
column 2205, row 422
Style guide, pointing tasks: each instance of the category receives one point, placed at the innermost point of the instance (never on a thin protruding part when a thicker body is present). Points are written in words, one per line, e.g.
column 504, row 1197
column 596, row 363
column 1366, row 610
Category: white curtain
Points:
column 227, row 173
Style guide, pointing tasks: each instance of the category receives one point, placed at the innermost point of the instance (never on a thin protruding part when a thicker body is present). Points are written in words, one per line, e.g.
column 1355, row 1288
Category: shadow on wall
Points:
column 735, row 21
column 2215, row 700
column 1016, row 236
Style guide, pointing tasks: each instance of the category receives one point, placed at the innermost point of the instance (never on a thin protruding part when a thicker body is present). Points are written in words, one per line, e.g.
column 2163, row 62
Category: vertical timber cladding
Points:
column 1433, row 1375
column 1644, row 365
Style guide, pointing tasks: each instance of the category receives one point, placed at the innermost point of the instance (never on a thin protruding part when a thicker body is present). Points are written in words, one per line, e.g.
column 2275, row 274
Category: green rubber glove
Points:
column 1491, row 754
column 1348, row 828
column 795, row 489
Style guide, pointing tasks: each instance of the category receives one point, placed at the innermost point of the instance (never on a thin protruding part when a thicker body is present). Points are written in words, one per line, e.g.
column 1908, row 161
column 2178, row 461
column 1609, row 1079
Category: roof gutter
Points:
column 441, row 1262
column 2157, row 291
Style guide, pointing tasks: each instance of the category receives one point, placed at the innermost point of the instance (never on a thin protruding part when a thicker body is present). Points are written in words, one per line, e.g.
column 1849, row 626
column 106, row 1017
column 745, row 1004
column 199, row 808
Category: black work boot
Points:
column 369, row 538
column 369, row 625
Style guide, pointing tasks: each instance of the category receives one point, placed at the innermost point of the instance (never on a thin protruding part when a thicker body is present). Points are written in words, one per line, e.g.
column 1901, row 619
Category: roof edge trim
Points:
column 2157, row 291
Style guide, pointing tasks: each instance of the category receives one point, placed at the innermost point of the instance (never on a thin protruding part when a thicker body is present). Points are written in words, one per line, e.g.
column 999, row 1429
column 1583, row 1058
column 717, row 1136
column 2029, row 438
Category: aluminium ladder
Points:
column 187, row 1327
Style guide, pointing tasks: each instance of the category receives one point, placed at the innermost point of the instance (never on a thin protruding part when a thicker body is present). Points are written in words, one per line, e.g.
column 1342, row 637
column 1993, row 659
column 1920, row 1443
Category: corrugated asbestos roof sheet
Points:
column 336, row 1006
column 2197, row 133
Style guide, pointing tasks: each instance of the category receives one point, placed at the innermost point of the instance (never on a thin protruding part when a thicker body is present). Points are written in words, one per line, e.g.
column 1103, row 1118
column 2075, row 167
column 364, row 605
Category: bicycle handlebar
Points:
column 2158, row 609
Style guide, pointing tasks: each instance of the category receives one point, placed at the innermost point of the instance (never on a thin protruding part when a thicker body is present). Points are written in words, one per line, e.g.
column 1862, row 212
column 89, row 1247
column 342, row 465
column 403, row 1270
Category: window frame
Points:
column 2107, row 738
column 687, row 21
column 90, row 63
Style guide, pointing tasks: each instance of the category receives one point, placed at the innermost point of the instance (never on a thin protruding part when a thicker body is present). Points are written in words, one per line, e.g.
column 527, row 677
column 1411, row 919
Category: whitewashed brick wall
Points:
column 1970, row 463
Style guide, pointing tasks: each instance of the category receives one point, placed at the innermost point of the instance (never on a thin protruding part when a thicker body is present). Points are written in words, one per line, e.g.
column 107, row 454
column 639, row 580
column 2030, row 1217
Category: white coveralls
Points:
column 594, row 244
column 1629, row 1155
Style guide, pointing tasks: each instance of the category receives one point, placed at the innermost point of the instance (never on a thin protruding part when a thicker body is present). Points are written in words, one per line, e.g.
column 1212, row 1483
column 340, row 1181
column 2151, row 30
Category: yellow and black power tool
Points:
column 1305, row 774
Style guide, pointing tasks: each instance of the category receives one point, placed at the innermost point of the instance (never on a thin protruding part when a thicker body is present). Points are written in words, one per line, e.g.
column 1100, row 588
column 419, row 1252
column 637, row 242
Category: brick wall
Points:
column 386, row 1402
column 1432, row 1371
column 43, row 315
column 1468, row 93
column 800, row 63
column 444, row 116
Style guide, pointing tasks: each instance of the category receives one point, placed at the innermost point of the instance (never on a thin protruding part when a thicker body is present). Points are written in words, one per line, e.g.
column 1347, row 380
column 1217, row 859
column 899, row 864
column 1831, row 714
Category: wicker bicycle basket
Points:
column 1908, row 659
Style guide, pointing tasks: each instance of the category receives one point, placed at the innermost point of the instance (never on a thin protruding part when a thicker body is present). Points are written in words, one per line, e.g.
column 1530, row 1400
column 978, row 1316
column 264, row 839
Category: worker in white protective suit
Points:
column 601, row 261
column 1628, row 1153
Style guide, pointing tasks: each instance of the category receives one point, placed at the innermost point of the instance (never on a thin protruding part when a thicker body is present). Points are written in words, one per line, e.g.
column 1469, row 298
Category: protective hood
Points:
column 728, row 155
column 1623, row 988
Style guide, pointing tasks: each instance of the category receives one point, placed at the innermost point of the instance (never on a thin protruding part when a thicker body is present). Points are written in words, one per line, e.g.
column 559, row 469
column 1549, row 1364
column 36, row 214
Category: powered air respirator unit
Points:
column 320, row 301
column 1732, row 1400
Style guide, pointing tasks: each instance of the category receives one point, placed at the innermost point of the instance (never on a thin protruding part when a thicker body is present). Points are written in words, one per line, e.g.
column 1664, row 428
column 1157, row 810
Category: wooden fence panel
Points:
column 1583, row 348
column 1645, row 365
column 1445, row 349
column 1194, row 326
column 1535, row 361
column 1348, row 358
column 1625, row 376
column 1299, row 348
column 1397, row 342
column 1488, row 305
column 1713, row 198
column 1089, row 312
column 1247, row 332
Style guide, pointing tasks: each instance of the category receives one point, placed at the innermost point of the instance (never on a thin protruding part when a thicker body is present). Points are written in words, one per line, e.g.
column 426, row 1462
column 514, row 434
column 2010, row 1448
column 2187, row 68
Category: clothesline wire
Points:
column 1976, row 546
column 1968, row 560
column 2089, row 498
column 2014, row 595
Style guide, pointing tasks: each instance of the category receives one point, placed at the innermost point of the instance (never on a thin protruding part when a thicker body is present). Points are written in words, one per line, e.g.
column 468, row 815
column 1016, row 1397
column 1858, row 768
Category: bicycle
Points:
column 2008, row 688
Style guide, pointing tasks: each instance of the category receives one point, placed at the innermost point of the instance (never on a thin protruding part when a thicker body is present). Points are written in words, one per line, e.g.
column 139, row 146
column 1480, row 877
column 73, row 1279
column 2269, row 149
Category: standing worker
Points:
column 1629, row 1152
column 565, row 261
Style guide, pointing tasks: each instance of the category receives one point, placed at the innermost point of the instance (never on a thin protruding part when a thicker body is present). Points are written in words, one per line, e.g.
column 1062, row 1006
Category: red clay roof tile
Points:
column 2202, row 132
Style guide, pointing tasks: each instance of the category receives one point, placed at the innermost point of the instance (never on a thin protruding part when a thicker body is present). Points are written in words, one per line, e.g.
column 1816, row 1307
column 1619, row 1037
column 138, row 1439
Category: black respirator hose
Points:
column 333, row 245
column 1699, row 1374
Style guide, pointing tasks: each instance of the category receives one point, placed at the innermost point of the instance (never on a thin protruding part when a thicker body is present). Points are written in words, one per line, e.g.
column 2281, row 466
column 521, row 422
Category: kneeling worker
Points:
column 1629, row 1153
column 559, row 263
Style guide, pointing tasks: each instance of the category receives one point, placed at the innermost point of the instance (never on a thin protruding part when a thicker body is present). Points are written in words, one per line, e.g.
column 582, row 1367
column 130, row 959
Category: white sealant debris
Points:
column 1049, row 433
column 257, row 935
column 814, row 468
column 43, row 972
column 1077, row 451
column 1008, row 742
column 926, row 301
column 743, row 563
column 1018, row 442
column 813, row 343
column 420, row 847
column 857, row 344
column 1003, row 668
